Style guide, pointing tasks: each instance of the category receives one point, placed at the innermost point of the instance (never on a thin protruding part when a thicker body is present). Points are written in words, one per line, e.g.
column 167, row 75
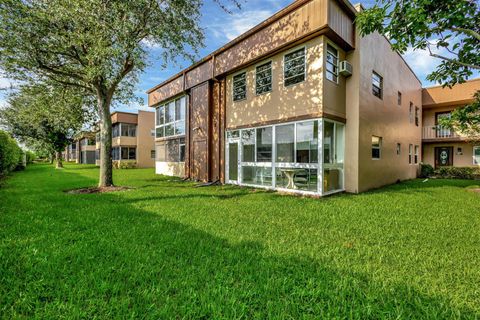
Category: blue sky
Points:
column 221, row 27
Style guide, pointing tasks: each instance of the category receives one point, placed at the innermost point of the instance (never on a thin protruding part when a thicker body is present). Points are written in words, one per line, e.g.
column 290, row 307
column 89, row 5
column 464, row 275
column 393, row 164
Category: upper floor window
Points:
column 263, row 78
column 476, row 155
column 116, row 130
column 377, row 85
column 410, row 152
column 417, row 116
column 399, row 98
column 294, row 67
column 128, row 130
column 410, row 112
column 240, row 86
column 399, row 148
column 88, row 142
column 332, row 64
column 170, row 118
column 376, row 147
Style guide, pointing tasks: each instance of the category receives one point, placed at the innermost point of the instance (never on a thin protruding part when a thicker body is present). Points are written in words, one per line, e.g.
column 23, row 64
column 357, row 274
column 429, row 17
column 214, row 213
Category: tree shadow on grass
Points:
column 121, row 261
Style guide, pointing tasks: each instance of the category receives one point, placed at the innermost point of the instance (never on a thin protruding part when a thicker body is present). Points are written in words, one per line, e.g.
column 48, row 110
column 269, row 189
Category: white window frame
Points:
column 271, row 77
column 410, row 154
column 246, row 85
column 381, row 84
column 327, row 62
column 416, row 154
column 174, row 122
column 475, row 162
column 319, row 165
column 305, row 66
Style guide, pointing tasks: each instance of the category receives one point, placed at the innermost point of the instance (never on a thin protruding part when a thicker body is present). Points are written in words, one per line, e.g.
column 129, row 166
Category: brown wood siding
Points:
column 199, row 131
column 168, row 90
column 124, row 117
column 299, row 23
column 198, row 75
column 341, row 23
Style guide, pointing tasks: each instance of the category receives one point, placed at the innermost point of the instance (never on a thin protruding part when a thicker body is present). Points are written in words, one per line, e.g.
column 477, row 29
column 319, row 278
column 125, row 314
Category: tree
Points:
column 48, row 114
column 449, row 30
column 99, row 46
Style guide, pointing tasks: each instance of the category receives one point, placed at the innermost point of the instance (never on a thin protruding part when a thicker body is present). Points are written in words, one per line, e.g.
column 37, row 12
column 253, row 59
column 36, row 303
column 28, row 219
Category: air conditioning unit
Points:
column 345, row 68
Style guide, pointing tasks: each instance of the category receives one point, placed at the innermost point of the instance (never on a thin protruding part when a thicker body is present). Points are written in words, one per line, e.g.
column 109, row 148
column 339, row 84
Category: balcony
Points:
column 439, row 133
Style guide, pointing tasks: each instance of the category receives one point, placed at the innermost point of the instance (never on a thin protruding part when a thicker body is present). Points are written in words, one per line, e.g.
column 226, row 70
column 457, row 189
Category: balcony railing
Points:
column 439, row 132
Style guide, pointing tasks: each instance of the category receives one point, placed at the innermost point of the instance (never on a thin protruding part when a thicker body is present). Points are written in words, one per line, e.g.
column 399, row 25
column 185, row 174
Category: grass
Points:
column 168, row 250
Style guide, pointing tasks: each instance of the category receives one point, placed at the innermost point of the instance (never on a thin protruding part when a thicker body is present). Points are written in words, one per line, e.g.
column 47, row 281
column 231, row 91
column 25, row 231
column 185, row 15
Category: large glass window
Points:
column 128, row 130
column 263, row 78
column 248, row 144
column 476, row 155
column 172, row 150
column 307, row 142
column 332, row 64
column 116, row 130
column 240, row 86
column 170, row 118
column 294, row 69
column 264, row 144
column 285, row 141
column 333, row 156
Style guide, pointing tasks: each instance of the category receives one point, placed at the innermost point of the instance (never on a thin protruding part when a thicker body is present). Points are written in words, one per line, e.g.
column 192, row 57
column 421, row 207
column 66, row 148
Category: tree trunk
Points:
column 106, row 174
column 52, row 158
column 58, row 160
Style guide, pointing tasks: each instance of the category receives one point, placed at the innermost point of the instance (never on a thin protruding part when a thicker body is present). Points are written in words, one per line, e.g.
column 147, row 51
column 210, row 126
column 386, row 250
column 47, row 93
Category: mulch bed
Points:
column 97, row 190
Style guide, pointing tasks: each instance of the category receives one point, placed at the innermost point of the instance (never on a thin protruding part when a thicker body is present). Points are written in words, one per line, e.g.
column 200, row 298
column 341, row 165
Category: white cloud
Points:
column 238, row 23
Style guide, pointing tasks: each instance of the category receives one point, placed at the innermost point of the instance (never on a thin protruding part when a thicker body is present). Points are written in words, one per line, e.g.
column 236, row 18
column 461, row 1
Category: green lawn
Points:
column 166, row 249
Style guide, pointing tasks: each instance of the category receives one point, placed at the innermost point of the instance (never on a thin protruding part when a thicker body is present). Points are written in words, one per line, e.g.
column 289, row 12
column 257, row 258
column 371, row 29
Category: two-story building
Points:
column 441, row 146
column 300, row 103
column 132, row 139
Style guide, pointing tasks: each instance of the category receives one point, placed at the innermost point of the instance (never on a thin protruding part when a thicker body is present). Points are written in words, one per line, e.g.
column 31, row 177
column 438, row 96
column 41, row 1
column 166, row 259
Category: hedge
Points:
column 10, row 154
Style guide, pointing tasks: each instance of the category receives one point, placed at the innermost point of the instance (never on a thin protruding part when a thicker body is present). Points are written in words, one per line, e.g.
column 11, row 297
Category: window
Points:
column 97, row 154
column 152, row 154
column 128, row 130
column 410, row 114
column 97, row 137
column 240, row 86
column 417, row 149
column 399, row 149
column 417, row 116
column 264, row 144
column 410, row 151
column 332, row 64
column 116, row 130
column 377, row 85
column 170, row 118
column 263, row 78
column 399, row 98
column 376, row 147
column 476, row 155
column 307, row 142
column 116, row 153
column 285, row 140
column 172, row 151
column 294, row 67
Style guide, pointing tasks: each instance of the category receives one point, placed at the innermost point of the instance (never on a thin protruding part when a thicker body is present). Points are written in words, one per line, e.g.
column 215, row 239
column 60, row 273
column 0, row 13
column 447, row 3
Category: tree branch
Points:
column 452, row 60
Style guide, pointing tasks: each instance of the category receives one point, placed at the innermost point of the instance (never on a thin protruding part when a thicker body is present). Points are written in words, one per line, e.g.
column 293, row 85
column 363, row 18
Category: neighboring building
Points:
column 70, row 153
column 300, row 103
column 441, row 146
column 86, row 148
column 132, row 139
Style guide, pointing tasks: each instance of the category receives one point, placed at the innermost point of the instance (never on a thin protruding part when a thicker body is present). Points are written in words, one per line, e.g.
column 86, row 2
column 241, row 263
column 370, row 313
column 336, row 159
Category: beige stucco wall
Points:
column 368, row 115
column 459, row 160
column 145, row 141
column 299, row 100
column 175, row 169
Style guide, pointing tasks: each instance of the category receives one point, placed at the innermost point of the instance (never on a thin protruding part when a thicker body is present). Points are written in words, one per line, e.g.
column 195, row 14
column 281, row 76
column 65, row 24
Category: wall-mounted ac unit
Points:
column 345, row 68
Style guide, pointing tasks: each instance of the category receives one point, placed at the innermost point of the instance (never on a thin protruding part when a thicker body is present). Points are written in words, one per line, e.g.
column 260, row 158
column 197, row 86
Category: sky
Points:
column 220, row 27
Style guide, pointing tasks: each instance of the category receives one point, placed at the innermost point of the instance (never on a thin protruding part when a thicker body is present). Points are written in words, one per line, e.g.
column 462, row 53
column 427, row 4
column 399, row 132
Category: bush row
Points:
column 470, row 173
column 124, row 164
column 11, row 156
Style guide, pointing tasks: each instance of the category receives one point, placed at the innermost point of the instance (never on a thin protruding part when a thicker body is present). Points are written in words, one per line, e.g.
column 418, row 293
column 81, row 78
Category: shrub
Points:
column 30, row 157
column 10, row 153
column 469, row 173
column 127, row 164
column 426, row 170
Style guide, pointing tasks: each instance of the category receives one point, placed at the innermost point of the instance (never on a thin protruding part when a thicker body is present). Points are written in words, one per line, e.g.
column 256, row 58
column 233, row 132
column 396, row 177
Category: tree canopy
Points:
column 99, row 46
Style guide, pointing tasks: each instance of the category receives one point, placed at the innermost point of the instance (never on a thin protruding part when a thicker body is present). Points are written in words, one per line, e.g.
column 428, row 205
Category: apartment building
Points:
column 70, row 153
column 442, row 146
column 300, row 103
column 132, row 139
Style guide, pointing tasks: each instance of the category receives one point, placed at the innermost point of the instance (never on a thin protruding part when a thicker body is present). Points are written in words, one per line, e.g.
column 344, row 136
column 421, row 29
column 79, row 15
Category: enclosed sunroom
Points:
column 301, row 157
